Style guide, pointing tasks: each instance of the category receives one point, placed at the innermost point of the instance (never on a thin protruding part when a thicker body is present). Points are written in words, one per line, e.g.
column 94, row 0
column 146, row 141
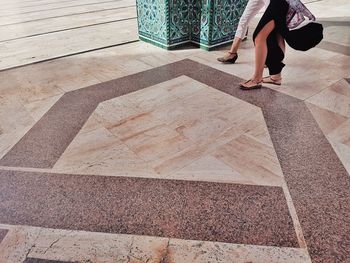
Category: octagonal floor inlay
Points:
column 180, row 129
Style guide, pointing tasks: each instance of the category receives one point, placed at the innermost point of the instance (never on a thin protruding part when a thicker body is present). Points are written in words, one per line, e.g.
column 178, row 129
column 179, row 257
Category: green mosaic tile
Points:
column 169, row 23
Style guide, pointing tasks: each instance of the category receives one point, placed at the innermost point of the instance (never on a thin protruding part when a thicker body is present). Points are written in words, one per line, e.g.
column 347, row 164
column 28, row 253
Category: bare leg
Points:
column 260, row 54
column 261, row 50
column 235, row 45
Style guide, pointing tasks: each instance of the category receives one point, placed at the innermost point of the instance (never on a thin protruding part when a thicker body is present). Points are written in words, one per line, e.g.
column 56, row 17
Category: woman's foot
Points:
column 251, row 85
column 230, row 57
column 273, row 79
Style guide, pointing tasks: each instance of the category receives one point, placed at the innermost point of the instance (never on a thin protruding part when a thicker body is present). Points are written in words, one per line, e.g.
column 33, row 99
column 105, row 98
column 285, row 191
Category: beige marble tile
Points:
column 174, row 163
column 327, row 120
column 39, row 107
column 249, row 122
column 343, row 152
column 156, row 143
column 159, row 59
column 210, row 169
column 44, row 14
column 93, row 123
column 304, row 77
column 113, row 63
column 26, row 7
column 44, row 80
column 131, row 66
column 73, row 77
column 211, row 252
column 133, row 125
column 15, row 121
column 164, row 93
column 62, row 23
column 127, row 59
column 66, row 42
column 321, row 54
column 99, row 152
column 25, row 88
column 113, row 111
column 243, row 68
column 261, row 134
column 342, row 64
column 97, row 247
column 333, row 100
column 192, row 108
column 341, row 133
column 13, row 115
column 337, row 34
column 206, row 146
column 342, row 87
column 17, row 243
column 207, row 127
column 179, row 160
column 8, row 140
column 81, row 246
column 328, row 8
column 254, row 160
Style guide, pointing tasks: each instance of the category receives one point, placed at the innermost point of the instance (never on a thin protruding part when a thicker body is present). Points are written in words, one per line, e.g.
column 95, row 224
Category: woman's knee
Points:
column 260, row 39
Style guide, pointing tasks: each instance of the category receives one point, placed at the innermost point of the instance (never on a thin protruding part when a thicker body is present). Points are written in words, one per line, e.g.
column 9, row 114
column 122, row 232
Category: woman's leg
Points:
column 260, row 41
column 235, row 45
column 273, row 20
column 261, row 50
column 231, row 56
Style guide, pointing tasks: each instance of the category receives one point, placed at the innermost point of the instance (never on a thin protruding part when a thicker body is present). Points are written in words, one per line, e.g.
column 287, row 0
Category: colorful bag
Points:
column 296, row 13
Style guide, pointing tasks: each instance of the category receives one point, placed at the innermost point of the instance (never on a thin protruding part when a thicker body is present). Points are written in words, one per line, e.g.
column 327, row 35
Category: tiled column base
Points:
column 170, row 24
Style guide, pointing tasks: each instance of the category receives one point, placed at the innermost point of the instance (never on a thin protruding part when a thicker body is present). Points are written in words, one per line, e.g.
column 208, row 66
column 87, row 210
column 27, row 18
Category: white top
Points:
column 253, row 7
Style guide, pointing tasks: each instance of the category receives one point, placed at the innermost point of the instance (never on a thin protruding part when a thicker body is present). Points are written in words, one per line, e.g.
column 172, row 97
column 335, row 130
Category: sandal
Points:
column 229, row 59
column 256, row 86
column 270, row 80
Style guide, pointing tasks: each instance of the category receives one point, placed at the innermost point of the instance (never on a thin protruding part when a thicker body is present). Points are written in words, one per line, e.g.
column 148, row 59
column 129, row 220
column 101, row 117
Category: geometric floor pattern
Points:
column 113, row 150
column 316, row 179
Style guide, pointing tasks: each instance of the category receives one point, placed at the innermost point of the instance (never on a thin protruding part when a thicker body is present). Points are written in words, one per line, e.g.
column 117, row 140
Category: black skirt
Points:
column 306, row 37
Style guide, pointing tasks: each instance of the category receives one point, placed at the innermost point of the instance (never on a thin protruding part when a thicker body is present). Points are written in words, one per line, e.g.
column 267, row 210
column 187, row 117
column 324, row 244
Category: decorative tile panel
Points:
column 169, row 23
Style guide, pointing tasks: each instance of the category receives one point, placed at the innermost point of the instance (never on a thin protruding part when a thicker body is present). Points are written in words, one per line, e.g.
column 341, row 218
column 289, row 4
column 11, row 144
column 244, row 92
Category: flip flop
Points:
column 270, row 80
column 257, row 86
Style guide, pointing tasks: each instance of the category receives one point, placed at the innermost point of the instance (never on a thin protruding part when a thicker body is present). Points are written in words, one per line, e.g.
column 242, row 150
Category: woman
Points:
column 279, row 17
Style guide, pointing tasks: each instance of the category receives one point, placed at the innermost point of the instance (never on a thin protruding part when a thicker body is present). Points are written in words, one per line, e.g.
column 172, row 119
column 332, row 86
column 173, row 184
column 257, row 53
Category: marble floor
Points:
column 114, row 150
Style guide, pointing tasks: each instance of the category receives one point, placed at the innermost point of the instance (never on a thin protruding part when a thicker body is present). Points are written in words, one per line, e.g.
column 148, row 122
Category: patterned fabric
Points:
column 297, row 13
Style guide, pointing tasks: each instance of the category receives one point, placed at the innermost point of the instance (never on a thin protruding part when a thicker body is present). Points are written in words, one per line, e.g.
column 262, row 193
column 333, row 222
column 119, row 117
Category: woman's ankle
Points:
column 256, row 79
column 276, row 76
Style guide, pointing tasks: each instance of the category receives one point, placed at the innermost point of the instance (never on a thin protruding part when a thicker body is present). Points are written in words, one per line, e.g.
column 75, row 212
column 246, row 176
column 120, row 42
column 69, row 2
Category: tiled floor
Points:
column 136, row 154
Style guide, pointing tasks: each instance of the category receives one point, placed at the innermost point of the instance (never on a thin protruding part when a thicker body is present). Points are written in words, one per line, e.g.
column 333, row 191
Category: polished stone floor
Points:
column 113, row 150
